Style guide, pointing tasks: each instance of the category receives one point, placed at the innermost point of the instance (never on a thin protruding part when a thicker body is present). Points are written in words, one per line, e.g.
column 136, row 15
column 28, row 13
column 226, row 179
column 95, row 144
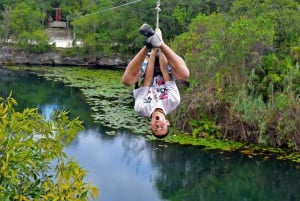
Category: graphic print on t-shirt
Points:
column 158, row 90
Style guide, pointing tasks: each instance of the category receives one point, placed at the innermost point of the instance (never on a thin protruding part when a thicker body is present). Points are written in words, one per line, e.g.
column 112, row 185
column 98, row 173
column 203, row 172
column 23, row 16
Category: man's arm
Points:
column 179, row 68
column 133, row 70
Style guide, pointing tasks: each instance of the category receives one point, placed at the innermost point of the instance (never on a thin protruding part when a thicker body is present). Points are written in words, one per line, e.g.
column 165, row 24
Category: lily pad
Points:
column 109, row 99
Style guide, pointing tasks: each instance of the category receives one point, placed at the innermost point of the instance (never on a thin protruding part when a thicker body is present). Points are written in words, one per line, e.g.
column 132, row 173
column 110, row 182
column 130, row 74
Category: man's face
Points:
column 159, row 124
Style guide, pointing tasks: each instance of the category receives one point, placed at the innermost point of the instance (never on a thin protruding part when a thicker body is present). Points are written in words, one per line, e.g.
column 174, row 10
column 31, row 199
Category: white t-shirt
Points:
column 161, row 94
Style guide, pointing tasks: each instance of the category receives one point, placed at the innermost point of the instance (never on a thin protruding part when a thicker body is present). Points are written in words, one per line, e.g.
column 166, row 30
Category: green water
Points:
column 127, row 167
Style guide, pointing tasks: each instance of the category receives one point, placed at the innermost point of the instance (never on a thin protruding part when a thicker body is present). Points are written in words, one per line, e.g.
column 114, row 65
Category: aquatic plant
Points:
column 110, row 101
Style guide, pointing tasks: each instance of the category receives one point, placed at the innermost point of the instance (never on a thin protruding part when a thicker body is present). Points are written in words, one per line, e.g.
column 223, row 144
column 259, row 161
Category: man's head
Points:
column 159, row 124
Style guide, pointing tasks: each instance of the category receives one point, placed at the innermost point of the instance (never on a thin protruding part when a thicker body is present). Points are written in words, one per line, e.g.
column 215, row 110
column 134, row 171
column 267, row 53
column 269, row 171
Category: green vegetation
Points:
column 100, row 28
column 33, row 164
column 21, row 24
column 243, row 57
column 245, row 72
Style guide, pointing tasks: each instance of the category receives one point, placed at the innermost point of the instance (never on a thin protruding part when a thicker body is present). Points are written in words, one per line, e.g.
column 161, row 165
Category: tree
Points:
column 25, row 17
column 33, row 164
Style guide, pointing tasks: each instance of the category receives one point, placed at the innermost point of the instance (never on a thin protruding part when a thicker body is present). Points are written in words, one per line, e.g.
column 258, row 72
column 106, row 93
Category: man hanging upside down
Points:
column 158, row 94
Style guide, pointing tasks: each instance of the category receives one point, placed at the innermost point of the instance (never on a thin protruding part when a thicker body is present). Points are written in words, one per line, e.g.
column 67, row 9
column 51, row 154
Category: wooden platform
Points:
column 58, row 24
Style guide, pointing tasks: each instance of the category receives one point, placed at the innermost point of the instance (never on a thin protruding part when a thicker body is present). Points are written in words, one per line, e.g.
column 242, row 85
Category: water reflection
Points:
column 190, row 173
column 48, row 109
column 120, row 166
column 128, row 168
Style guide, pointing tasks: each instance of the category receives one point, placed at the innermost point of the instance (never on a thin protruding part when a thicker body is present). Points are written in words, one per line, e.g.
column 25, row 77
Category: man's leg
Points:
column 163, row 62
column 133, row 70
column 179, row 68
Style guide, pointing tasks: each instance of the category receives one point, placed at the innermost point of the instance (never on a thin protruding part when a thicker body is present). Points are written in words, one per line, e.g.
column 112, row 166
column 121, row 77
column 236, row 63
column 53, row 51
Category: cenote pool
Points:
column 127, row 167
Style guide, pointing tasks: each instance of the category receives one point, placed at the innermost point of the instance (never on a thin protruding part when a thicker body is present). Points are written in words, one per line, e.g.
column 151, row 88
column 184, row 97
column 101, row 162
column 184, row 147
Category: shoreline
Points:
column 12, row 56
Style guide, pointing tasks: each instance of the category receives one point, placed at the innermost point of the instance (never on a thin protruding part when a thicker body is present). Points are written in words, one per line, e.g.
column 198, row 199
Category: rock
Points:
column 13, row 56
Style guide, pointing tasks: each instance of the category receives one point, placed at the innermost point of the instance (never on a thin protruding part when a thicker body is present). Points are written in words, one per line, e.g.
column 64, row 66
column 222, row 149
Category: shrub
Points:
column 33, row 164
column 36, row 41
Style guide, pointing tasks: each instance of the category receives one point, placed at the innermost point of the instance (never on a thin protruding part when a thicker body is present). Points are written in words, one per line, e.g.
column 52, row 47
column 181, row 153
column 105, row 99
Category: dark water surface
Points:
column 126, row 167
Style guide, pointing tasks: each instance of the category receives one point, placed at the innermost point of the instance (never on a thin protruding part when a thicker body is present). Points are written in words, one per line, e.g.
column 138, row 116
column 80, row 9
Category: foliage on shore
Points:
column 245, row 74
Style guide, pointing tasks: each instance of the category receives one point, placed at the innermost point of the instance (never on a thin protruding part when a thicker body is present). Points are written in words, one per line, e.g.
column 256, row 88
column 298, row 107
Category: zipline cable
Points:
column 108, row 9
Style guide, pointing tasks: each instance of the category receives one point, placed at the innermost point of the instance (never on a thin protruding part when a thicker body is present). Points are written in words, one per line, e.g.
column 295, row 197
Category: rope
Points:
column 157, row 8
column 108, row 9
